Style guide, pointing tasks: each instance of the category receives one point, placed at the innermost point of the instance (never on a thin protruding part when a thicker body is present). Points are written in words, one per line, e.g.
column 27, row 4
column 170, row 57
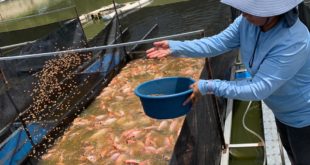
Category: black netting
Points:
column 103, row 36
column 11, row 37
column 200, row 138
column 19, row 74
column 40, row 95
column 304, row 13
column 199, row 141
column 34, row 26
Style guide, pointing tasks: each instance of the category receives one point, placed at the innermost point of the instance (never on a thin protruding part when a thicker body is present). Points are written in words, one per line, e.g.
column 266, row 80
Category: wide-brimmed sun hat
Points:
column 263, row 8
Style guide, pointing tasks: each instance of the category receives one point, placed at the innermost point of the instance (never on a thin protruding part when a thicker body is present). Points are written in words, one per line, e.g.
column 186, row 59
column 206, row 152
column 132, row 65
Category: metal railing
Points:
column 16, row 45
column 96, row 48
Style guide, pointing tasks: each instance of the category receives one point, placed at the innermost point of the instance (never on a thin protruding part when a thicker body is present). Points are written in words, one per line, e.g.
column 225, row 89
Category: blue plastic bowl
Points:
column 163, row 98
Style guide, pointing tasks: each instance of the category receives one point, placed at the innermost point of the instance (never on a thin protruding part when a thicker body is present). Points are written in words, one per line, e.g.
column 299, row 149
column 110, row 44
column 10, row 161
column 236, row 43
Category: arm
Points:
column 278, row 68
column 209, row 46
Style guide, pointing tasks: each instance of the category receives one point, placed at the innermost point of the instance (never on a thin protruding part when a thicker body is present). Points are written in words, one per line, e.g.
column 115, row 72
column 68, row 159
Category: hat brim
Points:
column 263, row 8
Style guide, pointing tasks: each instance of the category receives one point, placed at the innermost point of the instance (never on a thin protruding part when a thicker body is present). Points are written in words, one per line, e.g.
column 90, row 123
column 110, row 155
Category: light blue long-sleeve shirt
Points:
column 280, row 71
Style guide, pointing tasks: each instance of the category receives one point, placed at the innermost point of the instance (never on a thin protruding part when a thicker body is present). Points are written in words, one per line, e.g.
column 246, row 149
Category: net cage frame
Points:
column 102, row 81
column 101, row 48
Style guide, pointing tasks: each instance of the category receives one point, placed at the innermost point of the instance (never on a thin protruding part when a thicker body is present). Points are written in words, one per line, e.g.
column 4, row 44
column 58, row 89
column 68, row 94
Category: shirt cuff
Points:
column 173, row 46
column 205, row 87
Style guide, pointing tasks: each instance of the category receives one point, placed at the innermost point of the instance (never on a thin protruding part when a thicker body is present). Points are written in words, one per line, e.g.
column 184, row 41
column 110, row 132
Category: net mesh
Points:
column 39, row 95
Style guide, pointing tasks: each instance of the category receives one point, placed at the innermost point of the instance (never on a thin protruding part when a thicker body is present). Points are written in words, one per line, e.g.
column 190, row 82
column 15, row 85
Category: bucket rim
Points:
column 164, row 96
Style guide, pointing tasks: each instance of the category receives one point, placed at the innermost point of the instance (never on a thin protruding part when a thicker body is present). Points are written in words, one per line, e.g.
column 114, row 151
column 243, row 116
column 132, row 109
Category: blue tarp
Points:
column 18, row 146
column 105, row 65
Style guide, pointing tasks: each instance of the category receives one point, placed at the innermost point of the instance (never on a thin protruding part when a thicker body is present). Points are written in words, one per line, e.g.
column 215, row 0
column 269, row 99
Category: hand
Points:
column 195, row 95
column 161, row 49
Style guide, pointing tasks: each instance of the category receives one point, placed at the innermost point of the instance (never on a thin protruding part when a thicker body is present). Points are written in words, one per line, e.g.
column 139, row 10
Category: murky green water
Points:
column 19, row 8
column 22, row 14
column 253, row 120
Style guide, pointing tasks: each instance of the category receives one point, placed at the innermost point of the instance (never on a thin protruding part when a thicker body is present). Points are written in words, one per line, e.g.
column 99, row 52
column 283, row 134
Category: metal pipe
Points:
column 15, row 45
column 103, row 47
column 245, row 145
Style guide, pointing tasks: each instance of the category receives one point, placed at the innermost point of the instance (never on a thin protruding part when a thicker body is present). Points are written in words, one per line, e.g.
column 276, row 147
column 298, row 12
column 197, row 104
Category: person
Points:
column 99, row 16
column 275, row 48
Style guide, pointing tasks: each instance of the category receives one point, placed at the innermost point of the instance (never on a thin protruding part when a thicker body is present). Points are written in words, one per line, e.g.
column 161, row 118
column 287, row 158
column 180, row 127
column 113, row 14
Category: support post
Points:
column 216, row 105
